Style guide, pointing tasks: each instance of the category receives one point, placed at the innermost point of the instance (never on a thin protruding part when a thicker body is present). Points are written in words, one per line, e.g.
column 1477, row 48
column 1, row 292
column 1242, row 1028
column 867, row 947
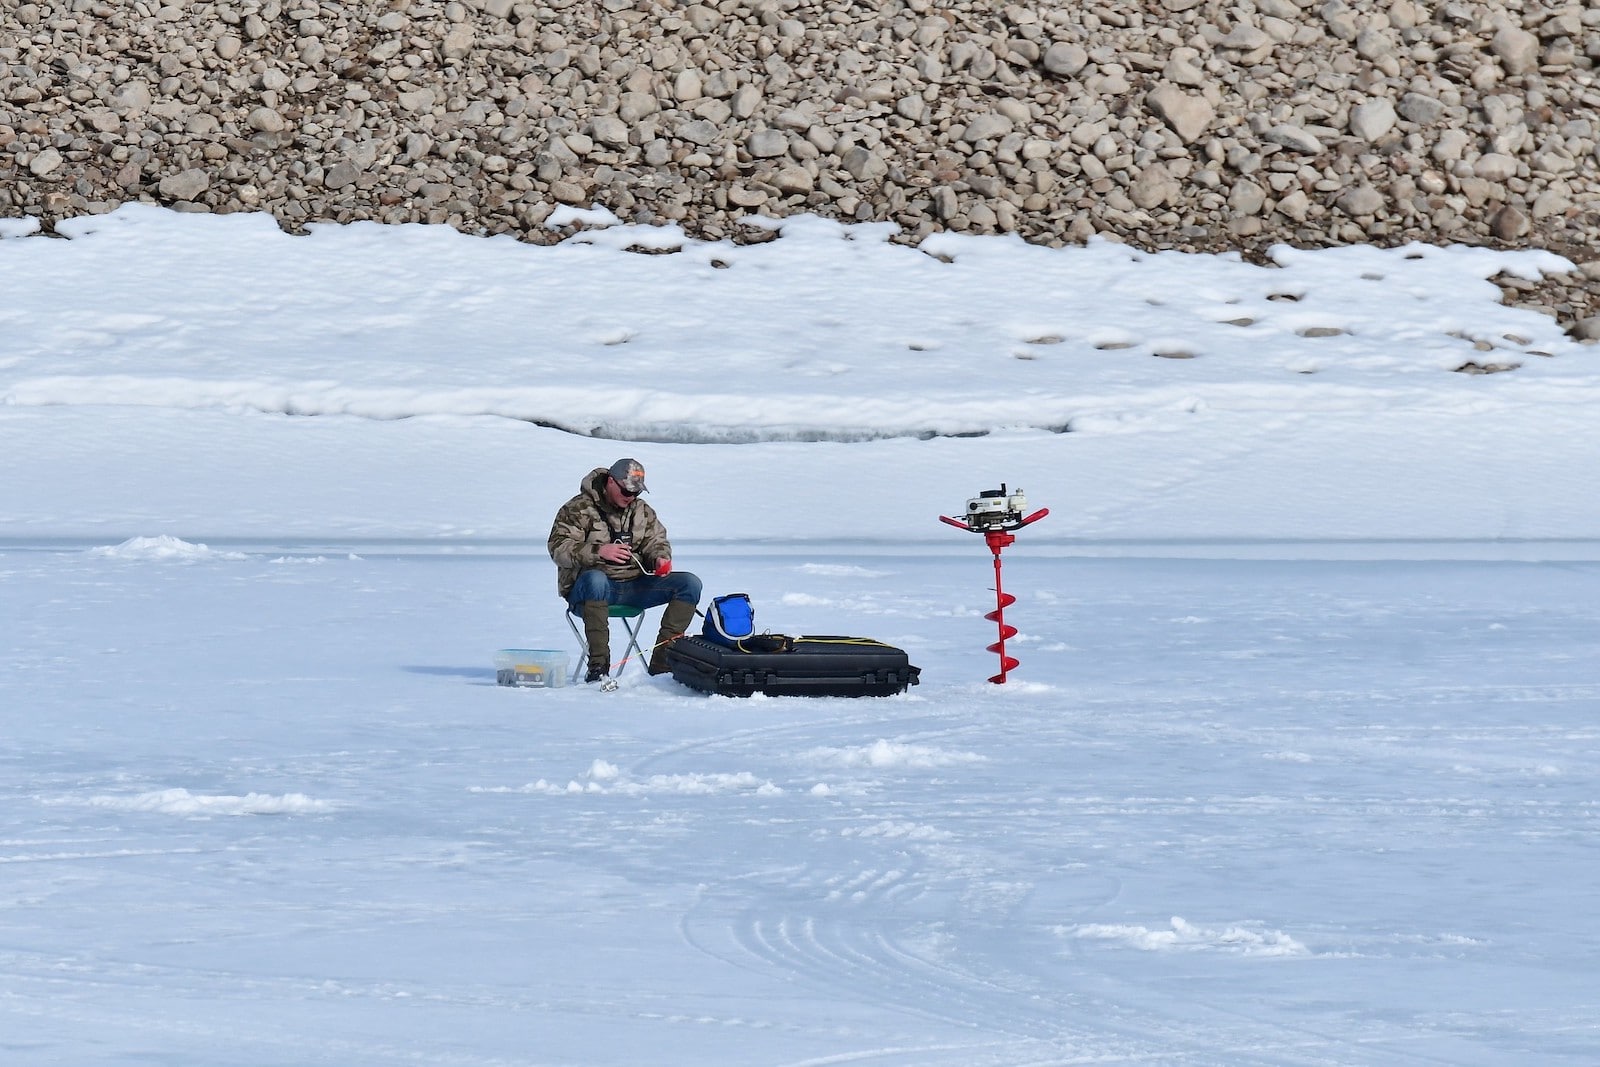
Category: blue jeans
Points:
column 645, row 591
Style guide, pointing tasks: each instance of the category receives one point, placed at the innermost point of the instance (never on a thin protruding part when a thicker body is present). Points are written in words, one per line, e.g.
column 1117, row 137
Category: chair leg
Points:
column 633, row 626
column 577, row 635
column 596, row 633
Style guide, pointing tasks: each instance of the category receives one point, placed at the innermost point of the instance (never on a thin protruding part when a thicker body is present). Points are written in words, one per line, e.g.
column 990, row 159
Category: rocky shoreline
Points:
column 1182, row 124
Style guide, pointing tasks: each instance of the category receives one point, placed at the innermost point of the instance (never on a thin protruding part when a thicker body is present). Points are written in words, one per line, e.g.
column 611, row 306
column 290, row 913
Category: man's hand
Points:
column 663, row 568
column 615, row 552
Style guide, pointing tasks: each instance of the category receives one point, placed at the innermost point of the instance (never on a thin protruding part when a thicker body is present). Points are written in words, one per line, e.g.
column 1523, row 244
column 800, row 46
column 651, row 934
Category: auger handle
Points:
column 1019, row 524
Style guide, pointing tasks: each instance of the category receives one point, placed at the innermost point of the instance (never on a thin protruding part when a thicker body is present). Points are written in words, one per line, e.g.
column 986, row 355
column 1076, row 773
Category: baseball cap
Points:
column 629, row 474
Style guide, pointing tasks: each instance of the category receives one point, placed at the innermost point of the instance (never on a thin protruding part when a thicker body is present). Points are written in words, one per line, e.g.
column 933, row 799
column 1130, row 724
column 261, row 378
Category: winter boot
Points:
column 675, row 620
column 597, row 634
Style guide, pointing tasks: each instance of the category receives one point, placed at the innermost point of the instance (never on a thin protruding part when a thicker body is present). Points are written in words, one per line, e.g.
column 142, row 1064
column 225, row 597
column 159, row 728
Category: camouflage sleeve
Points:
column 569, row 542
column 654, row 545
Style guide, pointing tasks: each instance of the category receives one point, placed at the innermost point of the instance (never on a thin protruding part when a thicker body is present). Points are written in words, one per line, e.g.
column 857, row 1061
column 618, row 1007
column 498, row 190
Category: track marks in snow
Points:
column 839, row 570
column 840, row 932
column 868, row 944
column 111, row 854
column 184, row 803
column 883, row 754
column 604, row 778
column 1244, row 939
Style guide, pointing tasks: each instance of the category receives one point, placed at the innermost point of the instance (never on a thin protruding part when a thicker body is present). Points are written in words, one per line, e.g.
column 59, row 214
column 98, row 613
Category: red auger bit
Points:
column 995, row 513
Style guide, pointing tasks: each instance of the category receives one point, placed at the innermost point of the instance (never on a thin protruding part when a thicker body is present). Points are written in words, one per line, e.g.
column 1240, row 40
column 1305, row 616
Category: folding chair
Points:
column 632, row 621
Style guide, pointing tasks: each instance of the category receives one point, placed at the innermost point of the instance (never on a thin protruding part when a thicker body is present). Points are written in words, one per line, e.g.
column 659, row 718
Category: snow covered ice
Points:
column 1298, row 766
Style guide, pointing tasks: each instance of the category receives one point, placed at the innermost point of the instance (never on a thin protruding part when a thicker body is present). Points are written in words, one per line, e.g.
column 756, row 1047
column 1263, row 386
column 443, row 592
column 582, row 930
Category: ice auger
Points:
column 995, row 514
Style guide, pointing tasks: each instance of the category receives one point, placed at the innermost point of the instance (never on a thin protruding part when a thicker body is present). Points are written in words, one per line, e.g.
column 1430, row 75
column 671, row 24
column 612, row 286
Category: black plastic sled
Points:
column 810, row 667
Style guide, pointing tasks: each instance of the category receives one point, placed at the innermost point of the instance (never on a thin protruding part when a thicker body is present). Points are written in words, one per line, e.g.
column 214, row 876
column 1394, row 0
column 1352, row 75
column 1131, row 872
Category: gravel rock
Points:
column 986, row 127
column 1420, row 109
column 1360, row 200
column 1065, row 59
column 1509, row 223
column 266, row 120
column 45, row 163
column 1516, row 48
column 767, row 144
column 1495, row 167
column 1187, row 115
column 1373, row 119
column 1294, row 138
column 1247, row 198
column 185, row 185
column 1186, row 124
column 1153, row 188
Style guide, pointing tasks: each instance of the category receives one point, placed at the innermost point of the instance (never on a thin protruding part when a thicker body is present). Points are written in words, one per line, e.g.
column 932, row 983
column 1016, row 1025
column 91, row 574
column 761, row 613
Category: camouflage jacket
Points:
column 588, row 521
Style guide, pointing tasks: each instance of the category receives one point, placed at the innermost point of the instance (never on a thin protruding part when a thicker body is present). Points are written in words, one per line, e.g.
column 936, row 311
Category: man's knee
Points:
column 688, row 587
column 591, row 585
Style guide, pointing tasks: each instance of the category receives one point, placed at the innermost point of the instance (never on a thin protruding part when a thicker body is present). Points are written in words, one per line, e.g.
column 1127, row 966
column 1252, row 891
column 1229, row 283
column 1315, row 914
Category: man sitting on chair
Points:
column 610, row 548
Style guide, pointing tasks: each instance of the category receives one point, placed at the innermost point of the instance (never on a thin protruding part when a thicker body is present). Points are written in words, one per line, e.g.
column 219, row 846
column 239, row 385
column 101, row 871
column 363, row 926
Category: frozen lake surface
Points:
column 1228, row 811
column 1298, row 769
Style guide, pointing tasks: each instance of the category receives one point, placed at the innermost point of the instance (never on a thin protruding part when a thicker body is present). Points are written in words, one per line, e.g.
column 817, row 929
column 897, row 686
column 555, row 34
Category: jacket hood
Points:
column 593, row 487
